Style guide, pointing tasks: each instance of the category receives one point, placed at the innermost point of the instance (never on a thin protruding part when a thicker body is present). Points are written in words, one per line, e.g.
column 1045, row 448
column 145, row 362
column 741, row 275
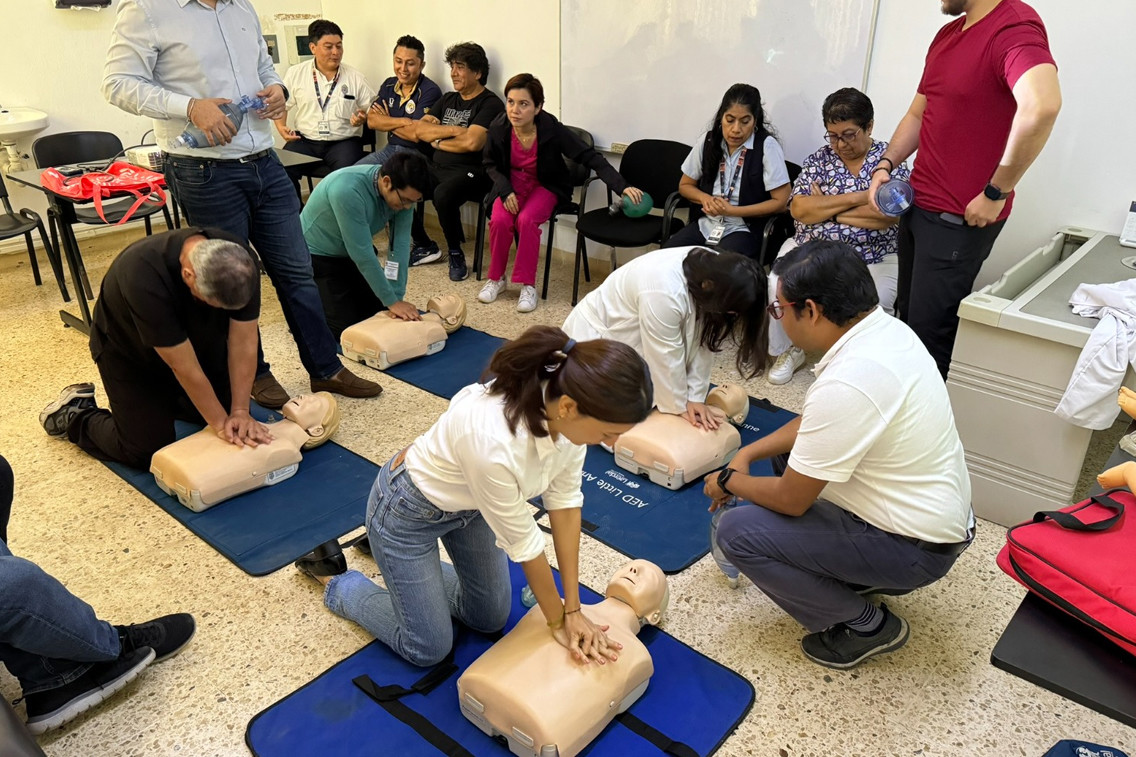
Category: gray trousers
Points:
column 806, row 563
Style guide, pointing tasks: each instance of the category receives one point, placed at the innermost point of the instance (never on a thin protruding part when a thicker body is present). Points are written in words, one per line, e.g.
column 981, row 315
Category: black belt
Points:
column 939, row 548
column 245, row 159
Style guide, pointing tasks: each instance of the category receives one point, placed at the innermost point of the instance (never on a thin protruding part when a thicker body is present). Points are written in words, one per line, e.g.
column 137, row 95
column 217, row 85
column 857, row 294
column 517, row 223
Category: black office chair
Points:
column 653, row 165
column 13, row 224
column 312, row 171
column 578, row 174
column 87, row 147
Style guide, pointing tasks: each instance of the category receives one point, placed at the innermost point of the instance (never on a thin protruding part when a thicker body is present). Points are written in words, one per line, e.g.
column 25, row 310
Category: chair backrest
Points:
column 794, row 171
column 577, row 172
column 75, row 147
column 655, row 166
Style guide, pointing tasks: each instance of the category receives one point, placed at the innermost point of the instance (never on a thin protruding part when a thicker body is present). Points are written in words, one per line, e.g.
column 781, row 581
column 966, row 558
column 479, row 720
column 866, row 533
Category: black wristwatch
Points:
column 724, row 478
column 993, row 193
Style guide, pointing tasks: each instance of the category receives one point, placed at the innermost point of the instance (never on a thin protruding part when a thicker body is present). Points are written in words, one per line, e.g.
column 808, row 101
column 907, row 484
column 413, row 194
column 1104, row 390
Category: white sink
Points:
column 16, row 123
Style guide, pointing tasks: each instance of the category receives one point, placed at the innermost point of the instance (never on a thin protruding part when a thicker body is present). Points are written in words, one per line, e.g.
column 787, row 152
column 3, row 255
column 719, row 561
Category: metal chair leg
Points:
column 149, row 228
column 32, row 258
column 55, row 261
column 168, row 218
column 548, row 257
column 581, row 252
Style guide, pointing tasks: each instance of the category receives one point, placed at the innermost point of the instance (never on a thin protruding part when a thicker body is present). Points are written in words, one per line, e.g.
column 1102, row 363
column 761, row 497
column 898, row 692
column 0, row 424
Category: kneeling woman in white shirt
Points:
column 467, row 482
column 677, row 307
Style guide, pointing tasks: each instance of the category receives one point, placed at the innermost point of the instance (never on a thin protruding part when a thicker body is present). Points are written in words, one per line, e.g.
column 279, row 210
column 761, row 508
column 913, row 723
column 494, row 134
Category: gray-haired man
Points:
column 174, row 336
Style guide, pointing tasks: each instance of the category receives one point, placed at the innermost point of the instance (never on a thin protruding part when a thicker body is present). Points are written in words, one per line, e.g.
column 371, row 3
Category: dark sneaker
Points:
column 325, row 560
column 52, row 708
column 840, row 647
column 458, row 270
column 427, row 253
column 73, row 400
column 166, row 635
column 267, row 392
column 348, row 384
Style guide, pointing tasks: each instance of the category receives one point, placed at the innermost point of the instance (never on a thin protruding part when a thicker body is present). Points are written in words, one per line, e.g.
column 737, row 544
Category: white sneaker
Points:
column 526, row 303
column 787, row 364
column 490, row 291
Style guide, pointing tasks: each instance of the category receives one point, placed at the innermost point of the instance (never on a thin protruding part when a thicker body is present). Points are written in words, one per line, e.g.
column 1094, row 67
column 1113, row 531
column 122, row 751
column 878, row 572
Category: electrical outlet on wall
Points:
column 618, row 148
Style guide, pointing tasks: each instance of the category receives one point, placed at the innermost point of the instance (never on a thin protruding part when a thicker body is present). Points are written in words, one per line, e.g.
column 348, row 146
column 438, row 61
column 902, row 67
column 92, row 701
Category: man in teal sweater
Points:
column 344, row 212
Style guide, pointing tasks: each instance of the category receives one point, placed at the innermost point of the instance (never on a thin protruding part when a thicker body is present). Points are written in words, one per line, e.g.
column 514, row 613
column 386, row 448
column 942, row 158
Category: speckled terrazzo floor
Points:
column 261, row 638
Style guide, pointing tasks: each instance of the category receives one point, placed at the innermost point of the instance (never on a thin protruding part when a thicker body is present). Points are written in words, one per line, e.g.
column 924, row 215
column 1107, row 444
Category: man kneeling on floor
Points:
column 875, row 495
column 174, row 337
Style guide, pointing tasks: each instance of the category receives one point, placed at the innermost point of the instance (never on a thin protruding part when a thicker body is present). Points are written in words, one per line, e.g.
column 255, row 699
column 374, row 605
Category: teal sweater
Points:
column 342, row 215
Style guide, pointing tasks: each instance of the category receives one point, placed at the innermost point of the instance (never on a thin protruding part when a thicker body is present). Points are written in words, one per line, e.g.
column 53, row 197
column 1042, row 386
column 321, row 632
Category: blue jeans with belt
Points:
column 412, row 615
column 255, row 200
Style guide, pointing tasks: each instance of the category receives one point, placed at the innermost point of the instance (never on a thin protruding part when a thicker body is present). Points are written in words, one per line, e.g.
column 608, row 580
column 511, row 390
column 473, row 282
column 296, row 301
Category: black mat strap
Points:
column 540, row 512
column 664, row 743
column 388, row 698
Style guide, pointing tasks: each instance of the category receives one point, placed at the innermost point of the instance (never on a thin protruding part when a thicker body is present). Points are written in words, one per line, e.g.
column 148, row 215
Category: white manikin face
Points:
column 643, row 586
column 318, row 414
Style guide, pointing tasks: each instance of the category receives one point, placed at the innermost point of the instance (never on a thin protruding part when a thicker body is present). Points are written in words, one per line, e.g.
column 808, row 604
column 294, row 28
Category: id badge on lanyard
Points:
column 324, row 126
column 719, row 229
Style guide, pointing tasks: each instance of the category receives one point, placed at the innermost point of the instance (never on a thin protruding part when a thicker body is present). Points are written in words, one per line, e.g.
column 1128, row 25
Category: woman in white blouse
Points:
column 676, row 307
column 467, row 482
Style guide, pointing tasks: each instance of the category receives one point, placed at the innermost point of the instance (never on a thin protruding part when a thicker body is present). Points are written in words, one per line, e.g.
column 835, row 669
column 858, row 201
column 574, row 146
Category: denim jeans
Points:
column 412, row 615
column 48, row 636
column 256, row 201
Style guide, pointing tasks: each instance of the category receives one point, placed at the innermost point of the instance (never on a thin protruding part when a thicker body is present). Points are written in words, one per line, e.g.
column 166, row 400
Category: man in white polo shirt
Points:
column 328, row 100
column 875, row 495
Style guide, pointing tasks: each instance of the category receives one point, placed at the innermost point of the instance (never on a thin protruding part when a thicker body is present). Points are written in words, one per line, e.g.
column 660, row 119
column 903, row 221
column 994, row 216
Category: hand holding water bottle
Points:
column 215, row 121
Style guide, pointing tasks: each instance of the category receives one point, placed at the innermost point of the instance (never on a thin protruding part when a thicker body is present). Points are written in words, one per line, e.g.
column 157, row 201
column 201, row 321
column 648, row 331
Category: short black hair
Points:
column 530, row 84
column 472, row 55
column 407, row 168
column 411, row 43
column 848, row 104
column 320, row 28
column 832, row 275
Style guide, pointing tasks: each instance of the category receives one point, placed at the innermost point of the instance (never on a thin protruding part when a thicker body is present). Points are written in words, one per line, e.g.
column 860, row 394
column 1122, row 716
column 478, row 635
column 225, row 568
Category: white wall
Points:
column 56, row 65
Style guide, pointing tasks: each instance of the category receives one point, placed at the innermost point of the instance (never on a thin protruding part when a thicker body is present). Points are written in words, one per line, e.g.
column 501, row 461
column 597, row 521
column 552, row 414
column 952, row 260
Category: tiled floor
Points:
column 260, row 638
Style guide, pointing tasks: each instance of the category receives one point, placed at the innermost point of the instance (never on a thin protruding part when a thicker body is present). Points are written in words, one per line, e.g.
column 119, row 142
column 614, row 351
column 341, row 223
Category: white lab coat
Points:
column 1090, row 397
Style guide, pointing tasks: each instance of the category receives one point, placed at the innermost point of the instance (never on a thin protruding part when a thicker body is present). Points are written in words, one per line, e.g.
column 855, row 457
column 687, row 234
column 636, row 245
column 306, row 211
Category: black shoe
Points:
column 54, row 707
column 57, row 416
column 426, row 253
column 166, row 635
column 840, row 647
column 361, row 543
column 458, row 270
column 325, row 560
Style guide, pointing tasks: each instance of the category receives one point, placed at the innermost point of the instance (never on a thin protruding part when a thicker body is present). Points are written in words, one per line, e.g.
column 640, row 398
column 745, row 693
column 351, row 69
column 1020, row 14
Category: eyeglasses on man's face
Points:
column 776, row 310
column 845, row 136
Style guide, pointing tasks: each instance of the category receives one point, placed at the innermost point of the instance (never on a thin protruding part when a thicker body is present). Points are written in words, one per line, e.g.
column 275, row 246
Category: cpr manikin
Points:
column 527, row 688
column 203, row 469
column 671, row 452
column 383, row 340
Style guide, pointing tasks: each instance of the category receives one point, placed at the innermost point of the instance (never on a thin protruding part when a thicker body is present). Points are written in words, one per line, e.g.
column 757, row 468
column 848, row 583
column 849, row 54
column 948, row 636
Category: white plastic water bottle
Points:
column 194, row 138
column 724, row 563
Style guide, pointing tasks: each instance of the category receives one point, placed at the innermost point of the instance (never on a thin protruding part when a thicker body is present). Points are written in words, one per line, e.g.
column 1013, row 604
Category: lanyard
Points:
column 315, row 81
column 734, row 178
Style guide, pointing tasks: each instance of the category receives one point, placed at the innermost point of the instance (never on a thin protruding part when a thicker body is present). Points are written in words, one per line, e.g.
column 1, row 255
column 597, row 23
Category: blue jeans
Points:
column 806, row 563
column 380, row 157
column 412, row 615
column 256, row 201
column 48, row 636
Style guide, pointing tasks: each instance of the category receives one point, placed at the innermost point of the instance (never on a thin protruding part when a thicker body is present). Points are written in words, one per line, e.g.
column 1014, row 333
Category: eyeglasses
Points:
column 403, row 202
column 845, row 136
column 776, row 310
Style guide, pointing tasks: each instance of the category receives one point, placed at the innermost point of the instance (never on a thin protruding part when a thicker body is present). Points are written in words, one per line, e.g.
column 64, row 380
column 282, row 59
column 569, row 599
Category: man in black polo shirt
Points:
column 174, row 335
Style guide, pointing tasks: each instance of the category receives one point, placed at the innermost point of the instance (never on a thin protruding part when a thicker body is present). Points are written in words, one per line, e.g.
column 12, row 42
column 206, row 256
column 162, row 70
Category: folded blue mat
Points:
column 263, row 530
column 459, row 364
column 691, row 699
column 669, row 527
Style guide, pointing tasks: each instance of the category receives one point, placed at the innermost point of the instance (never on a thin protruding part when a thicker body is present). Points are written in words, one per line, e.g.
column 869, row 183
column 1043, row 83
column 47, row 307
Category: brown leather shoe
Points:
column 266, row 390
column 348, row 384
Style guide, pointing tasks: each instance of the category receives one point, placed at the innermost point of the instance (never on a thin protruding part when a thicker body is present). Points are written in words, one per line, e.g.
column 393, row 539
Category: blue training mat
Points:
column 671, row 528
column 263, row 530
column 690, row 699
column 460, row 363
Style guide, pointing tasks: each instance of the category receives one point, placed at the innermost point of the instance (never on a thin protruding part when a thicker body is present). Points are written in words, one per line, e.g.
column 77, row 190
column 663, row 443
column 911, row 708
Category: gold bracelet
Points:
column 569, row 612
column 557, row 624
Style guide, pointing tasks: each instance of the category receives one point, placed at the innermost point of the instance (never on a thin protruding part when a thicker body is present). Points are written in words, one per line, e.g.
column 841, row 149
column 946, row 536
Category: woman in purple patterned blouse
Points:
column 830, row 201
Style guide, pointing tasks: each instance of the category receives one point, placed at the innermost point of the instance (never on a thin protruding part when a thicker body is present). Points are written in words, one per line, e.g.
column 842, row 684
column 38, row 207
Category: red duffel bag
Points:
column 118, row 179
column 1082, row 559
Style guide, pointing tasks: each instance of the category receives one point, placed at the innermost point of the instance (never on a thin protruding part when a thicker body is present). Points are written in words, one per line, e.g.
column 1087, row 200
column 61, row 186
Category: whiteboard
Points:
column 638, row 69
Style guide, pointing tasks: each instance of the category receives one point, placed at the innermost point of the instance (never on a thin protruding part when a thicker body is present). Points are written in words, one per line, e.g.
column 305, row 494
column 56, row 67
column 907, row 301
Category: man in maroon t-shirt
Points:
column 982, row 112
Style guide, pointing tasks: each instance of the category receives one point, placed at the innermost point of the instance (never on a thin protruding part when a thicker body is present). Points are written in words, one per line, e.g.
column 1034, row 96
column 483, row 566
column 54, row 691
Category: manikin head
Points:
column 641, row 585
column 731, row 399
column 318, row 414
column 451, row 308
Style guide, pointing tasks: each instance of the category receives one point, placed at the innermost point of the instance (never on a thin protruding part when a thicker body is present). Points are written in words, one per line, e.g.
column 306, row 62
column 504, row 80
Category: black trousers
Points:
column 334, row 154
column 742, row 242
column 938, row 263
column 143, row 408
column 457, row 185
column 347, row 297
column 7, row 490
